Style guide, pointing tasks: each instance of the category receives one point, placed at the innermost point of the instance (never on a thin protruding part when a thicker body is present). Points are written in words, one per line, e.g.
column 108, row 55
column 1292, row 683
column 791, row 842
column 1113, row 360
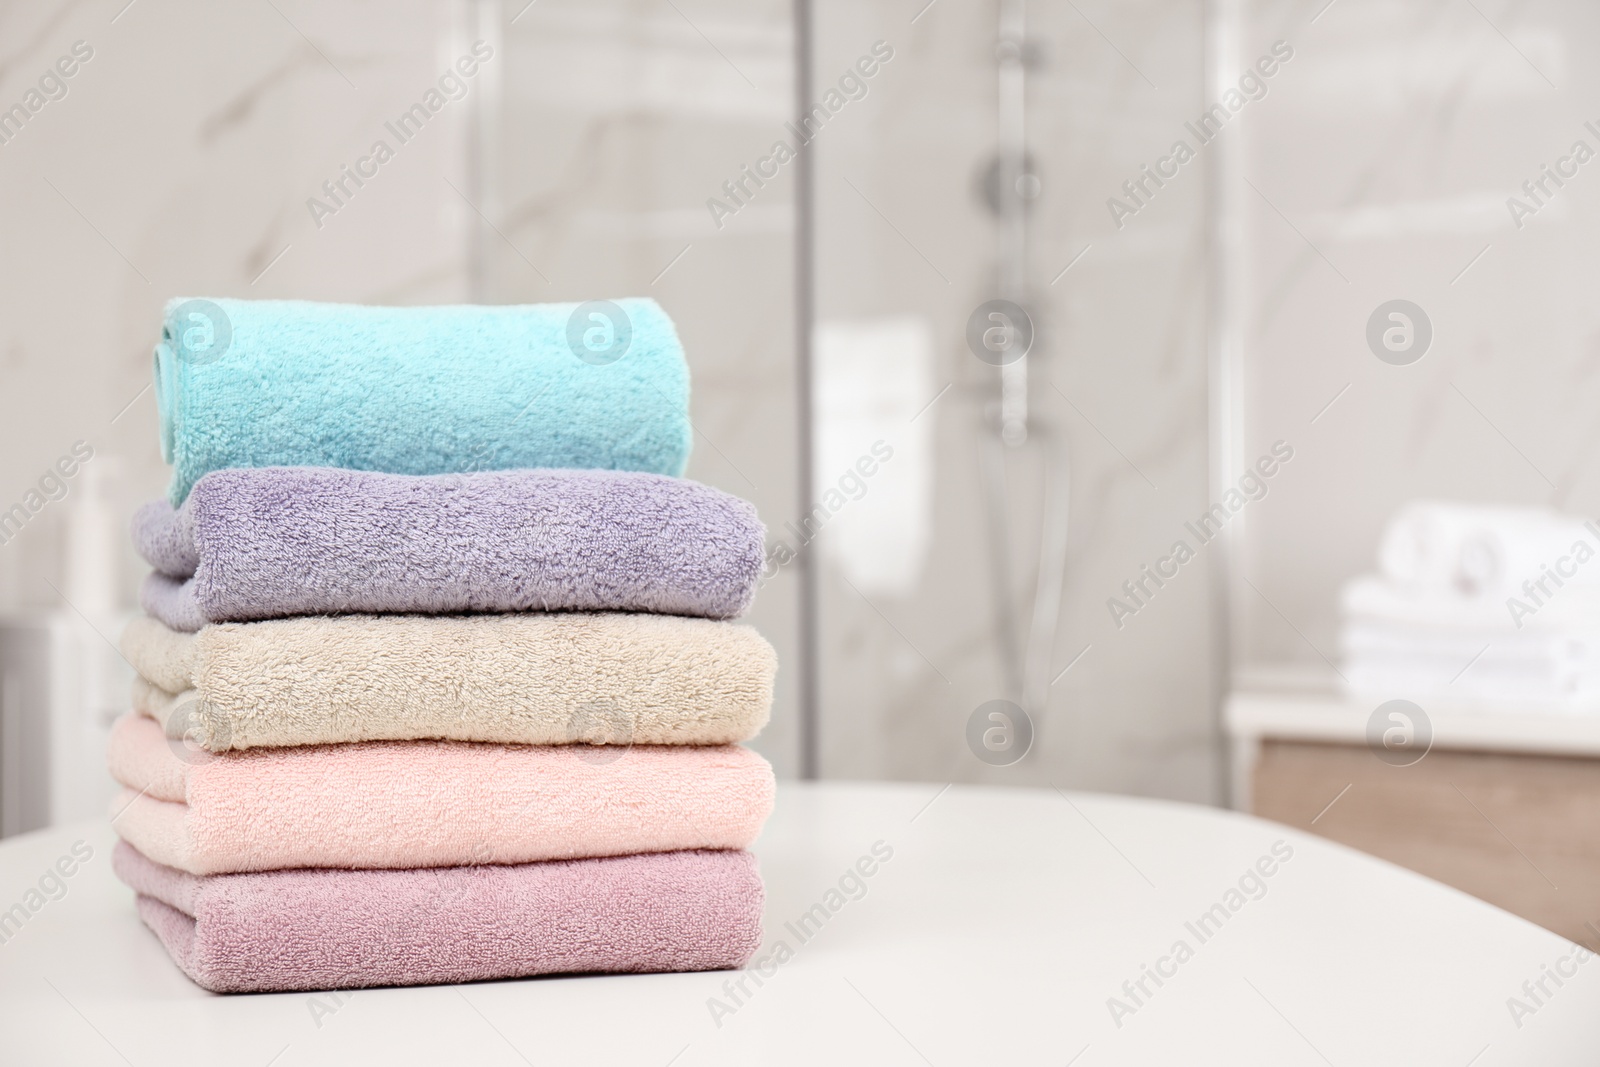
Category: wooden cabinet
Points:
column 1504, row 807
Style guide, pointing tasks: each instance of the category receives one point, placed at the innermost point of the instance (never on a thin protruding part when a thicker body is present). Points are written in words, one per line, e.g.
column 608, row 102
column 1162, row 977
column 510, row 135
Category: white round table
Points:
column 1006, row 927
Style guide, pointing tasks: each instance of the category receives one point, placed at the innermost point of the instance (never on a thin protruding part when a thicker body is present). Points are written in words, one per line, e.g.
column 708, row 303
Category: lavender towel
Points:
column 278, row 931
column 266, row 542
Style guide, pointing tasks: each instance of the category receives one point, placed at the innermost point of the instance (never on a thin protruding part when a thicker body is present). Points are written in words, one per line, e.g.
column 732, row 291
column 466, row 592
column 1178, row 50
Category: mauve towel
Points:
column 395, row 804
column 278, row 931
column 529, row 678
column 258, row 543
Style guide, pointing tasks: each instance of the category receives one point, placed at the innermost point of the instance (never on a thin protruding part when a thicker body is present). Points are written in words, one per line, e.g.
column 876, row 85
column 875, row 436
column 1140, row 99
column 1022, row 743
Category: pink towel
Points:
column 396, row 804
column 320, row 929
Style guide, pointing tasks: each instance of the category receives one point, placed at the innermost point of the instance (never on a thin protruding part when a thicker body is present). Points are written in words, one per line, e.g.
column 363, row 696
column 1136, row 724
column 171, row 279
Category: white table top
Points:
column 997, row 933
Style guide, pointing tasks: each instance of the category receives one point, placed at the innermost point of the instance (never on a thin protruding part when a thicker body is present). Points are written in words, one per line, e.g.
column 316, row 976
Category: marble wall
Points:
column 643, row 114
column 178, row 159
column 181, row 161
column 617, row 122
column 1382, row 162
column 1116, row 384
column 580, row 163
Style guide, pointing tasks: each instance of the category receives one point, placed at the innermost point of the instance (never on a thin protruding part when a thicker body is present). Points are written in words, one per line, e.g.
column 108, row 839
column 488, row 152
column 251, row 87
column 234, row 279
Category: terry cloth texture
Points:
column 393, row 804
column 426, row 390
column 274, row 541
column 530, row 679
column 324, row 929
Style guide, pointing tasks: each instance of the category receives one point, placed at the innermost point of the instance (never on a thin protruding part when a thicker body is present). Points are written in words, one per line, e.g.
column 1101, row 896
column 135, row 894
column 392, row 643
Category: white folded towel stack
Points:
column 1478, row 605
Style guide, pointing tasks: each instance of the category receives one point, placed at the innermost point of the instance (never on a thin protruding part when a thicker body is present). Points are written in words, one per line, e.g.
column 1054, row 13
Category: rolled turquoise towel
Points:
column 430, row 390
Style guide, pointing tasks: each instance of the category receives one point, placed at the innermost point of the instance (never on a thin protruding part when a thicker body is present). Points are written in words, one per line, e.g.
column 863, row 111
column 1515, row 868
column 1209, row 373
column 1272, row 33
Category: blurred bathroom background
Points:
column 1224, row 313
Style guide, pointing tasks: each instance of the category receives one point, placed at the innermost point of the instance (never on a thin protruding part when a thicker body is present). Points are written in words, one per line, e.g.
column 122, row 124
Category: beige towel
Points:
column 533, row 678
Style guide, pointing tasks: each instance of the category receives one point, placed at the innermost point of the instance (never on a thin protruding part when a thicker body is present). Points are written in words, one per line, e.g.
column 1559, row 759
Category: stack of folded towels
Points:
column 439, row 682
column 1478, row 605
